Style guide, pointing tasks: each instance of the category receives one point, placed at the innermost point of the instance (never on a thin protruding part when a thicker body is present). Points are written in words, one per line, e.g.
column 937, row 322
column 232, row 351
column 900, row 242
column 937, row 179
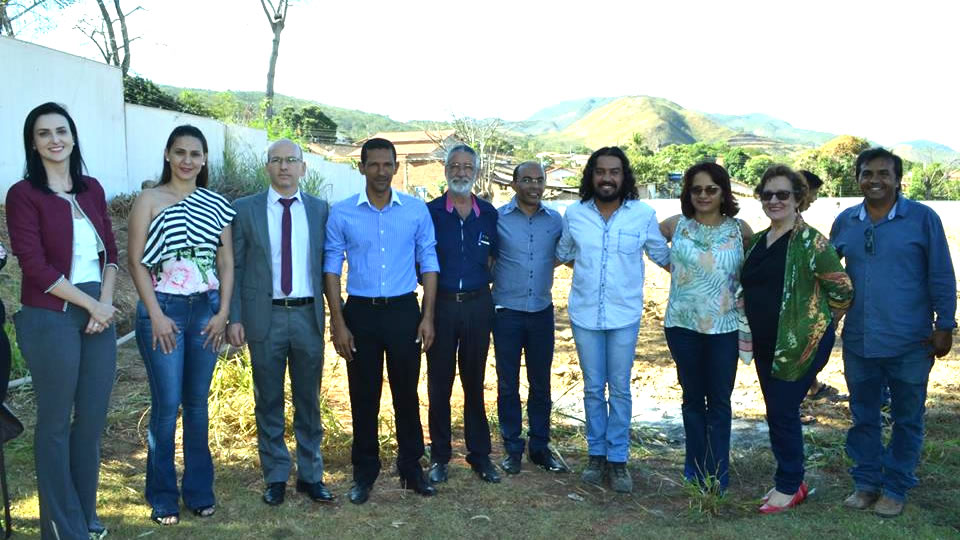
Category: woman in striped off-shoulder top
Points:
column 181, row 259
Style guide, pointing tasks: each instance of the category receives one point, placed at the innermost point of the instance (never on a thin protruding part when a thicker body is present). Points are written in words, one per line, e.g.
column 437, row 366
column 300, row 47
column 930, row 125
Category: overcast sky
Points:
column 878, row 69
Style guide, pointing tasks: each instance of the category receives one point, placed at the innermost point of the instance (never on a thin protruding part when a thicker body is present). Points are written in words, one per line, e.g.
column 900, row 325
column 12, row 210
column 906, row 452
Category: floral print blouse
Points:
column 704, row 276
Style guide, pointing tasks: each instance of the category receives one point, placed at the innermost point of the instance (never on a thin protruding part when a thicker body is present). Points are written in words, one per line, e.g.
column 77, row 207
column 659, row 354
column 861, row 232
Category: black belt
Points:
column 463, row 296
column 293, row 302
column 381, row 300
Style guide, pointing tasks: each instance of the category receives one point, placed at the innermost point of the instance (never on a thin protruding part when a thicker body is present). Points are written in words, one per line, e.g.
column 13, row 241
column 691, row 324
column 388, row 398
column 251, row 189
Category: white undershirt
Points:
column 85, row 266
column 299, row 245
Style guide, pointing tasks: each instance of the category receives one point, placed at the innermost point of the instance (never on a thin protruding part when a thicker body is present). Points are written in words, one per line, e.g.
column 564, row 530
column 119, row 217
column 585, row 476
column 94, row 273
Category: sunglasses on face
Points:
column 781, row 195
column 710, row 190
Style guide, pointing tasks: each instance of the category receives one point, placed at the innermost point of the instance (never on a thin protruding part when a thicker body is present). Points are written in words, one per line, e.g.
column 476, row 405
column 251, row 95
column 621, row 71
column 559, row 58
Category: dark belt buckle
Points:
column 379, row 300
column 285, row 302
column 461, row 297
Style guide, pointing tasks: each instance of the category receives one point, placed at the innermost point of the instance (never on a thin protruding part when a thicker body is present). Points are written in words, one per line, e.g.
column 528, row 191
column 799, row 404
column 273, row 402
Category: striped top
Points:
column 705, row 275
column 189, row 229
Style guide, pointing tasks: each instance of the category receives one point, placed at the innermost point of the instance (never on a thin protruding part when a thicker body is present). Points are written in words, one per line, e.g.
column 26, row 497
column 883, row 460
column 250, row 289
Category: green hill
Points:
column 659, row 121
column 557, row 117
column 763, row 125
column 351, row 123
column 925, row 152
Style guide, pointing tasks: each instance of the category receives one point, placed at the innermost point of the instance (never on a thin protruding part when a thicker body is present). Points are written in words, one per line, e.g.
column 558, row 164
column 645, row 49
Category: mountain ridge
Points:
column 602, row 121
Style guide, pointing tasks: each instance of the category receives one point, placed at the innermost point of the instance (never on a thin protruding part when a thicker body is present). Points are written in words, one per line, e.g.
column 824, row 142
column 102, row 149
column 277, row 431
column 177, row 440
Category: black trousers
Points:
column 462, row 338
column 390, row 329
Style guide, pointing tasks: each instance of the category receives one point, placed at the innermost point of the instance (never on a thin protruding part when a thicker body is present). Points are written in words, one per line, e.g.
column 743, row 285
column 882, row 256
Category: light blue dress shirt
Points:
column 608, row 268
column 523, row 273
column 381, row 247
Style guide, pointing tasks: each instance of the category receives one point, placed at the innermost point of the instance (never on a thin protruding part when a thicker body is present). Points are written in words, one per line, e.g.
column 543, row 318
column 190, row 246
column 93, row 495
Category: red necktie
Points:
column 286, row 255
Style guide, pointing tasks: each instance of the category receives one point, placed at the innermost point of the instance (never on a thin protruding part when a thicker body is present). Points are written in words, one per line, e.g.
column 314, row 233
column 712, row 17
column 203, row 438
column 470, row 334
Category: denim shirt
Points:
column 902, row 275
column 608, row 268
column 523, row 272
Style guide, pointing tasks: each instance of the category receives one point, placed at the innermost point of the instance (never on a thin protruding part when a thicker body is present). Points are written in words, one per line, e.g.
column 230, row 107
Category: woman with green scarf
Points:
column 794, row 287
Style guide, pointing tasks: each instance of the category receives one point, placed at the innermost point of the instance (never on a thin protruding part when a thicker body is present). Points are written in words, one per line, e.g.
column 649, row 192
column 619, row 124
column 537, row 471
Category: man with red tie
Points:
column 277, row 308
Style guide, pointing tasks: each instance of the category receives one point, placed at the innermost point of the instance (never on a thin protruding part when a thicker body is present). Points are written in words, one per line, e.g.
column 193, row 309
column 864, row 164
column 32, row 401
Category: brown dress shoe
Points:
column 887, row 507
column 861, row 500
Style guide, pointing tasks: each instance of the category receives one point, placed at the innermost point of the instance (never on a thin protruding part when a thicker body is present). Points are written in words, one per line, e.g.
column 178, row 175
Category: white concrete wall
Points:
column 246, row 140
column 147, row 131
column 344, row 180
column 89, row 90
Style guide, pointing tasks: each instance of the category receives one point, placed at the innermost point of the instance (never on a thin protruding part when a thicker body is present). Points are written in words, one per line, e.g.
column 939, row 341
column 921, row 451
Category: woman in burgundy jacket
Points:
column 61, row 234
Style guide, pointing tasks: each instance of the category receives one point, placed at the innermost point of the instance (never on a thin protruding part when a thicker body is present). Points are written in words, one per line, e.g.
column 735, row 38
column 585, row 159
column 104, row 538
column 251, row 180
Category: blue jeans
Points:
column 782, row 399
column 513, row 333
column 891, row 469
column 606, row 357
column 181, row 377
column 707, row 370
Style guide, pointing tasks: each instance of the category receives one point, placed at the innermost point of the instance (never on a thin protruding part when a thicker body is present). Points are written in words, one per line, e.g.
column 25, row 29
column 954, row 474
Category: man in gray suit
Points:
column 277, row 308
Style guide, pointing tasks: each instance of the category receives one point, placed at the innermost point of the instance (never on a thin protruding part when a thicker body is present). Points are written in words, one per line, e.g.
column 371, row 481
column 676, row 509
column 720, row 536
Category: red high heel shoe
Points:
column 798, row 498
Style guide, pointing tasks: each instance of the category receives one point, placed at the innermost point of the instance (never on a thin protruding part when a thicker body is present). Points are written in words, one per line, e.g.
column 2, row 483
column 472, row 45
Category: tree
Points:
column 193, row 103
column 277, row 17
column 25, row 12
column 140, row 91
column 104, row 35
column 315, row 126
column 226, row 108
column 755, row 167
column 834, row 164
column 932, row 181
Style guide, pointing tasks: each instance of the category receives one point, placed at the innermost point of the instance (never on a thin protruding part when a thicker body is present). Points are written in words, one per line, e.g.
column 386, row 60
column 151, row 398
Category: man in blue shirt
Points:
column 384, row 236
column 605, row 235
column 897, row 255
column 522, row 278
column 466, row 229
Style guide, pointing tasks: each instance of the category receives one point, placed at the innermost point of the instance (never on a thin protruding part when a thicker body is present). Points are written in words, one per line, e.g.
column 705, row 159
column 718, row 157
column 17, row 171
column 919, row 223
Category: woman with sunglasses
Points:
column 701, row 323
column 793, row 288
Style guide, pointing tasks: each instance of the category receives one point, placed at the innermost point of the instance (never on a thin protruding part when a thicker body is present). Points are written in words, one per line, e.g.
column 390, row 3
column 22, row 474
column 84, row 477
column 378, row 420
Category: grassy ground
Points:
column 533, row 504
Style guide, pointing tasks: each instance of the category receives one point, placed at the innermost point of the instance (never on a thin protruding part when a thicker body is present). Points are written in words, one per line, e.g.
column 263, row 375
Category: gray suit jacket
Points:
column 253, row 272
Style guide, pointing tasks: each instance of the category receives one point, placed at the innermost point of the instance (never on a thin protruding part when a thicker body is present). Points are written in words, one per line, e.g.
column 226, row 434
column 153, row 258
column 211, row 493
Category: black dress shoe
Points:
column 273, row 495
column 419, row 485
column 511, row 464
column 316, row 491
column 487, row 472
column 546, row 460
column 438, row 473
column 359, row 493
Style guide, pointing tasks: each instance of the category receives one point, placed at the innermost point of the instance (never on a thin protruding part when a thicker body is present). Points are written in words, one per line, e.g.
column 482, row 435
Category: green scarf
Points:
column 815, row 284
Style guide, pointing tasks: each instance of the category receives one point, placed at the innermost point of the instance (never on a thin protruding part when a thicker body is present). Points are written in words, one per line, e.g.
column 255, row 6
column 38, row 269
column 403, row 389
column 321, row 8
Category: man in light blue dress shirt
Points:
column 897, row 255
column 605, row 235
column 384, row 236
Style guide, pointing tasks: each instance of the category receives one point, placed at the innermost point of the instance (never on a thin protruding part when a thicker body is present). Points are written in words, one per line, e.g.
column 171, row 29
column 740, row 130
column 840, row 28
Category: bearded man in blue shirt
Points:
column 605, row 235
column 466, row 229
column 897, row 255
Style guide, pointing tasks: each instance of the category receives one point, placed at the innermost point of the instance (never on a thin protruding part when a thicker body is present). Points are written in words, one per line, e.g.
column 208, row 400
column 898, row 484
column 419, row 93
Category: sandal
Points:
column 204, row 512
column 163, row 520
